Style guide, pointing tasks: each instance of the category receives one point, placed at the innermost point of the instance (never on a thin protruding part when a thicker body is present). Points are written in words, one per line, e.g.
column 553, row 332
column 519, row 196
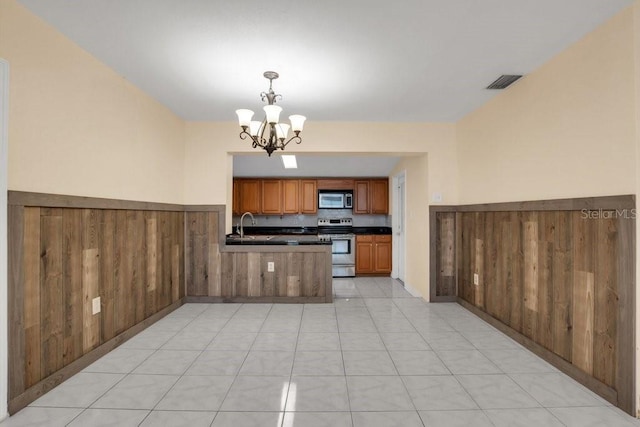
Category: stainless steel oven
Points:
column 343, row 247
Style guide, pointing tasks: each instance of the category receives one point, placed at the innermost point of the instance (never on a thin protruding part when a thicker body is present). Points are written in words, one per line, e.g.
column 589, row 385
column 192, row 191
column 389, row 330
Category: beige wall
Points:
column 416, row 170
column 209, row 143
column 565, row 130
column 208, row 169
column 76, row 127
column 569, row 129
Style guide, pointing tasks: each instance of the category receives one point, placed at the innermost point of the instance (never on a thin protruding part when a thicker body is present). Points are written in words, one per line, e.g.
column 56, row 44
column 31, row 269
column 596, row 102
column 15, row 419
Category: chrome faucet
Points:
column 253, row 222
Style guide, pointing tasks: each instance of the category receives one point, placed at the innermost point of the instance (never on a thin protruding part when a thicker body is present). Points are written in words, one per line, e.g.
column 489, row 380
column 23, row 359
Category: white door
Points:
column 398, row 219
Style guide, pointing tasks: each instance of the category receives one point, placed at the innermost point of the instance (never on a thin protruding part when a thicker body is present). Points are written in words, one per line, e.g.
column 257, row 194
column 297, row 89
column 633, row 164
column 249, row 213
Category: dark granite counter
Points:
column 272, row 231
column 275, row 240
column 372, row 230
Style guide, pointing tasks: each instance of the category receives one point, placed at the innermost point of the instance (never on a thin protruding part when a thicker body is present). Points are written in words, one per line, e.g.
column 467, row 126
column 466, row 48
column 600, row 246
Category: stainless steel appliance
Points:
column 332, row 199
column 343, row 247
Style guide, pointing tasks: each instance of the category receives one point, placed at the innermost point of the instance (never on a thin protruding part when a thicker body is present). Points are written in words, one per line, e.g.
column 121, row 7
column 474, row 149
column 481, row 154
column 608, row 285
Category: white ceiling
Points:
column 355, row 60
column 258, row 165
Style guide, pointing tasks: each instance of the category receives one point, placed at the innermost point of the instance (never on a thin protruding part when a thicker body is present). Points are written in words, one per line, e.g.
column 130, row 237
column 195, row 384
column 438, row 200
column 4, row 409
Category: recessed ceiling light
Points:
column 289, row 161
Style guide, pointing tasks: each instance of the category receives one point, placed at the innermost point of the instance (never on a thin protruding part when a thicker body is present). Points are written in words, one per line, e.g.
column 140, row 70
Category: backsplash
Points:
column 312, row 220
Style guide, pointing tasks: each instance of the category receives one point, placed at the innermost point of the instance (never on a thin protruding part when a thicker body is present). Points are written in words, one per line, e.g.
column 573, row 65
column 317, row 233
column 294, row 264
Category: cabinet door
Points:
column 272, row 196
column 361, row 197
column 364, row 254
column 308, row 196
column 382, row 253
column 379, row 196
column 250, row 191
column 291, row 192
column 236, row 198
column 364, row 257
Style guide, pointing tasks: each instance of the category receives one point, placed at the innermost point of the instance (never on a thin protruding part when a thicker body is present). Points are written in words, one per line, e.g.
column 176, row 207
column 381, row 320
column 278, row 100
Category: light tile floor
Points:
column 375, row 357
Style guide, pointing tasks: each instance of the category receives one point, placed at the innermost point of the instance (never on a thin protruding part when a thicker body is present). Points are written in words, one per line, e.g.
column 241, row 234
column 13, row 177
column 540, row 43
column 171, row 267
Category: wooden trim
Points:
column 297, row 300
column 15, row 295
column 205, row 208
column 627, row 201
column 21, row 198
column 78, row 365
column 433, row 276
column 626, row 339
column 606, row 392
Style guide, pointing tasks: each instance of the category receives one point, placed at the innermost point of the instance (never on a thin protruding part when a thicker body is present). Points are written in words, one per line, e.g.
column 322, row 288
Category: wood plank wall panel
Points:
column 203, row 274
column 214, row 274
column 62, row 258
column 557, row 277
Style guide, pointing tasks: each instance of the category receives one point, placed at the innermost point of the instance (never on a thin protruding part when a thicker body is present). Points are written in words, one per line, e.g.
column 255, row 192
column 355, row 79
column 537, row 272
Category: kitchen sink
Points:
column 251, row 238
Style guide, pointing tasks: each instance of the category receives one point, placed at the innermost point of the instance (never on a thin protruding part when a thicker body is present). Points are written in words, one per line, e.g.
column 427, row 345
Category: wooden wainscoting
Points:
column 219, row 273
column 559, row 275
column 204, row 235
column 64, row 252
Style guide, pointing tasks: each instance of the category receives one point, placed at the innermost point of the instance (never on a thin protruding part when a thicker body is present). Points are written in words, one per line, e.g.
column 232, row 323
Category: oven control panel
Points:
column 333, row 222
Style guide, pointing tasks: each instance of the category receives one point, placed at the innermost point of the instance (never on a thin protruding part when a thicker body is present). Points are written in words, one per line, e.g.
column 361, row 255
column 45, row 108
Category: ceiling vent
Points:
column 503, row 81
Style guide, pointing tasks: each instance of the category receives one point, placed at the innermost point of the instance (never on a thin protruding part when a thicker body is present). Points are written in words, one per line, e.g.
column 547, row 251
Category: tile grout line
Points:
column 190, row 365
column 243, row 361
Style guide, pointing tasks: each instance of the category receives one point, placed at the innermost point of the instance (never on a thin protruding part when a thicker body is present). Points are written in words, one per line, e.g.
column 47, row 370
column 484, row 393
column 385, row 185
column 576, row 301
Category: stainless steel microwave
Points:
column 328, row 199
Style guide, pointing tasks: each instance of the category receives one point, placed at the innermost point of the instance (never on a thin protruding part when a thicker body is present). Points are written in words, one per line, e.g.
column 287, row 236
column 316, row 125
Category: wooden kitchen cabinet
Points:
column 300, row 196
column 379, row 196
column 364, row 255
column 371, row 196
column 236, row 198
column 373, row 254
column 290, row 196
column 308, row 196
column 250, row 195
column 382, row 254
column 275, row 196
column 361, row 197
column 272, row 196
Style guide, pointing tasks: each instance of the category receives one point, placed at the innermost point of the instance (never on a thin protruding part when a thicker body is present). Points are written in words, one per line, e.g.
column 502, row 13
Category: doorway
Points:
column 398, row 220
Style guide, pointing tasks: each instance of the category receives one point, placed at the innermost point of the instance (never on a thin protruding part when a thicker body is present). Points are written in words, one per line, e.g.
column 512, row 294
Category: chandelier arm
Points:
column 296, row 138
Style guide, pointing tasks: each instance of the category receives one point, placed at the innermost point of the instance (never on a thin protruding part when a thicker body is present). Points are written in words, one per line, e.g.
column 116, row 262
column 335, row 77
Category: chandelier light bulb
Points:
column 297, row 122
column 273, row 113
column 254, row 127
column 244, row 117
column 282, row 130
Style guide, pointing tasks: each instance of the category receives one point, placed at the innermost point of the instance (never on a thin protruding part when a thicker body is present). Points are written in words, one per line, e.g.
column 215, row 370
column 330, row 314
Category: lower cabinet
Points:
column 373, row 254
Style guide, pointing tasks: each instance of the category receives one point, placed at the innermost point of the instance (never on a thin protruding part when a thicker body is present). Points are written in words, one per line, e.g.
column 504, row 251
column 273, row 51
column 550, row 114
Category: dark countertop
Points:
column 273, row 240
column 372, row 230
column 270, row 231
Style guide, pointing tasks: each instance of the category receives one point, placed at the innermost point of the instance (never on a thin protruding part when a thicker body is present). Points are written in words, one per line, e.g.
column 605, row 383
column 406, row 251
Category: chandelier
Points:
column 276, row 133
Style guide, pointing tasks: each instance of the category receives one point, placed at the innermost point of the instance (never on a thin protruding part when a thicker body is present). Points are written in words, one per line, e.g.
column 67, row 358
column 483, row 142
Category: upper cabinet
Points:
column 272, row 196
column 379, row 196
column 291, row 196
column 308, row 196
column 361, row 197
column 371, row 196
column 300, row 196
column 250, row 195
column 236, row 198
column 275, row 196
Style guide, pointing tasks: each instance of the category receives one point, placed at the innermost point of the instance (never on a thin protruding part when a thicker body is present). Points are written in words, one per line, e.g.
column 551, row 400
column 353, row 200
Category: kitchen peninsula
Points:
column 292, row 267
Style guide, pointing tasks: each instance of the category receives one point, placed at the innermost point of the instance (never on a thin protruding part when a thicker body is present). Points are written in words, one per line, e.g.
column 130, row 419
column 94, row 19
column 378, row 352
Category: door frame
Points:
column 398, row 226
